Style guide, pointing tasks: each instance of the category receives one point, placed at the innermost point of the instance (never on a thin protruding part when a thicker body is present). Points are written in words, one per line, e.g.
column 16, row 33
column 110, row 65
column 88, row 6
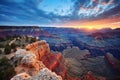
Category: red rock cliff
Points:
column 38, row 57
column 53, row 61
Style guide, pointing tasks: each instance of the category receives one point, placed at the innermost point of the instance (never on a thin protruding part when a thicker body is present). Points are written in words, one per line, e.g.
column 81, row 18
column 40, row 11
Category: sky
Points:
column 61, row 13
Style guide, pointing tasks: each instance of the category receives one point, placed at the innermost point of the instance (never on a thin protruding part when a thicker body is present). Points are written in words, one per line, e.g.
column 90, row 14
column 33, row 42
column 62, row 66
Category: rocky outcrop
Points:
column 43, row 74
column 39, row 62
column 53, row 61
column 29, row 60
column 115, row 63
column 46, row 74
column 21, row 76
column 39, row 48
column 20, row 53
column 74, row 53
column 89, row 76
column 29, row 64
column 78, row 64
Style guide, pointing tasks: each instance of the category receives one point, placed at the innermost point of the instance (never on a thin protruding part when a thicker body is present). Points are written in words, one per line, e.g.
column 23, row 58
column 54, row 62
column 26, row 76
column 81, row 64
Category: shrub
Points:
column 8, row 37
column 1, row 46
column 2, row 39
column 7, row 49
column 13, row 46
column 0, row 52
column 6, row 69
column 32, row 40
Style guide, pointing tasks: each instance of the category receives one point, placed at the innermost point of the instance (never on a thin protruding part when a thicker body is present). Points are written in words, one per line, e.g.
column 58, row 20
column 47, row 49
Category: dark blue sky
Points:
column 56, row 12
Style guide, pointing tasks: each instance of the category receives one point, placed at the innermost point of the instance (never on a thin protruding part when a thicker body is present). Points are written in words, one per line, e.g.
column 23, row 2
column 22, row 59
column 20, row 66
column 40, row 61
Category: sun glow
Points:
column 95, row 24
column 89, row 28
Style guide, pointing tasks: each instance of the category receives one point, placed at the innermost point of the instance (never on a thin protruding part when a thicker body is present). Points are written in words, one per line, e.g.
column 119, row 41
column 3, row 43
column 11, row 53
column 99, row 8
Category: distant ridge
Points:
column 18, row 27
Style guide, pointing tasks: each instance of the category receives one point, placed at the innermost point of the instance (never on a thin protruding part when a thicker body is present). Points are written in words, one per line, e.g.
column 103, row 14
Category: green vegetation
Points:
column 27, row 38
column 6, row 69
column 13, row 46
column 32, row 40
column 9, row 37
column 18, row 41
column 2, row 39
column 7, row 49
column 0, row 52
column 1, row 46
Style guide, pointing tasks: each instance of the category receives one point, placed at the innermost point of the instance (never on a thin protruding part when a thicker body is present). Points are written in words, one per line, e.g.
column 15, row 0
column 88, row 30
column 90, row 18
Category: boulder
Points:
column 29, row 60
column 30, row 65
column 20, row 53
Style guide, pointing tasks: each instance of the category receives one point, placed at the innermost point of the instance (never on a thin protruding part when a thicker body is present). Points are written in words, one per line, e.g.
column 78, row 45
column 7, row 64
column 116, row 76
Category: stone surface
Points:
column 43, row 74
column 38, row 63
column 29, row 60
column 30, row 64
column 115, row 63
column 21, row 76
column 30, row 70
column 54, row 62
column 74, row 53
column 46, row 74
column 34, row 61
column 39, row 48
column 78, row 65
column 20, row 53
column 89, row 76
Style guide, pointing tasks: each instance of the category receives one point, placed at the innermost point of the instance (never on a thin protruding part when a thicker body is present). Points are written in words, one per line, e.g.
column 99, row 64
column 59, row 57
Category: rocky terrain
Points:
column 22, row 30
column 29, row 64
column 98, row 42
column 37, row 62
column 95, row 57
column 79, row 62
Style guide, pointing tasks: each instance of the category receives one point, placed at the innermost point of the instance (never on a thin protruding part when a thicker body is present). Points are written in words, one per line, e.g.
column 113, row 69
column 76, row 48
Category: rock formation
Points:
column 46, row 74
column 43, row 74
column 53, row 61
column 89, row 76
column 23, row 30
column 29, row 64
column 79, row 65
column 115, row 63
column 39, row 48
column 21, row 76
column 38, row 63
column 20, row 53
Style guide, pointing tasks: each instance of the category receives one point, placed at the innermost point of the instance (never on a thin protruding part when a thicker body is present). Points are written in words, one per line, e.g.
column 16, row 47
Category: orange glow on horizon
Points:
column 95, row 24
column 88, row 28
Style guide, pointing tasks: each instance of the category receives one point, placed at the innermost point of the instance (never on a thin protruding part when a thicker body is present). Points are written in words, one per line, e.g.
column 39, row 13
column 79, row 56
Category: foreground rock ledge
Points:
column 36, row 62
column 44, row 74
column 32, row 63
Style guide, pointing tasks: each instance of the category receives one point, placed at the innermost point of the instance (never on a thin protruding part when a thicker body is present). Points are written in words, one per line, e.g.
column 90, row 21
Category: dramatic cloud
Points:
column 56, row 12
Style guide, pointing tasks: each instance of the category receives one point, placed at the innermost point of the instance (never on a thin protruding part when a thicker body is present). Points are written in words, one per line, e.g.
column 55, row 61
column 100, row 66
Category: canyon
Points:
column 38, row 61
column 69, row 54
